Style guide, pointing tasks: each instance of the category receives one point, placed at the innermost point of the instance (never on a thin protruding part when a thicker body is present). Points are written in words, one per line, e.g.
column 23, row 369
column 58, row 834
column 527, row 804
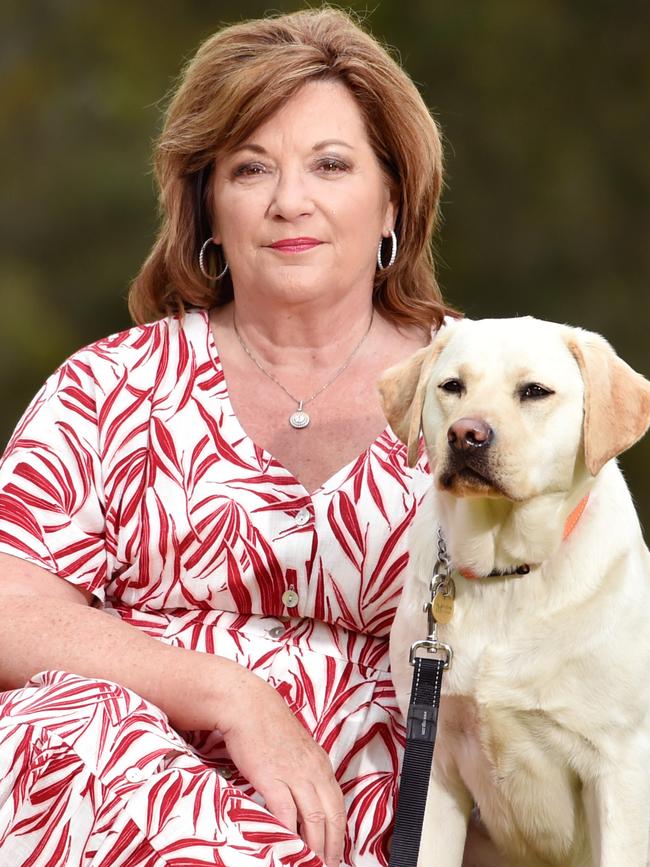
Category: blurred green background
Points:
column 545, row 108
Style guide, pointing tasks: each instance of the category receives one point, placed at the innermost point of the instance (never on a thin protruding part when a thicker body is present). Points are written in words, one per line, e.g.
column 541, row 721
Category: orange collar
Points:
column 574, row 517
column 569, row 527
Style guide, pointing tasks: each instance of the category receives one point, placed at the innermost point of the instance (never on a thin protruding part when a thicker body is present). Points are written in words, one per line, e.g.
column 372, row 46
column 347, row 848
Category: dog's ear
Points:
column 402, row 389
column 617, row 399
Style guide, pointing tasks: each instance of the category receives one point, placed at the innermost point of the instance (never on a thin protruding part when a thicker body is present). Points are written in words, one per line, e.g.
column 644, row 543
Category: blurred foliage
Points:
column 545, row 109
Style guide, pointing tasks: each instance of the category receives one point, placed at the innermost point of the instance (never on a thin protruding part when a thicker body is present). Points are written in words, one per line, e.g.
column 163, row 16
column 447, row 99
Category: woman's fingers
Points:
column 311, row 816
column 281, row 803
column 319, row 811
column 335, row 823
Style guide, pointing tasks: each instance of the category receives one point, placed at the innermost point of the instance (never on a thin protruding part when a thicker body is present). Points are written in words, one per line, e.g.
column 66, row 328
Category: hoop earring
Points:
column 393, row 252
column 202, row 263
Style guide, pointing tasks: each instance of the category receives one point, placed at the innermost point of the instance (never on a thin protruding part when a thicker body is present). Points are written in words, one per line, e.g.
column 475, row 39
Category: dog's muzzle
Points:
column 468, row 467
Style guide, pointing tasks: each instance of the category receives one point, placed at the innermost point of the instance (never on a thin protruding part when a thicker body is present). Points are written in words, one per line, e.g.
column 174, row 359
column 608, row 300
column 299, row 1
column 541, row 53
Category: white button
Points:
column 226, row 773
column 290, row 598
column 302, row 517
column 276, row 631
column 134, row 775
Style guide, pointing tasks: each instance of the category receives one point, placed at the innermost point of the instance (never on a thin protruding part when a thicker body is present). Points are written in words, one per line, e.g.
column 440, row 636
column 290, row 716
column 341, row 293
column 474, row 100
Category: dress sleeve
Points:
column 51, row 492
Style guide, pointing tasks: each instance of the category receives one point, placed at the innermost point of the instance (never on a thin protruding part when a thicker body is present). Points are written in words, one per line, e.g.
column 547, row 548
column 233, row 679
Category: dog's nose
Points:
column 469, row 433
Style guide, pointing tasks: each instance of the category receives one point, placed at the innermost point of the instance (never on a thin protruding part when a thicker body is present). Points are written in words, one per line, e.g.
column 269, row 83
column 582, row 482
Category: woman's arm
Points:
column 48, row 624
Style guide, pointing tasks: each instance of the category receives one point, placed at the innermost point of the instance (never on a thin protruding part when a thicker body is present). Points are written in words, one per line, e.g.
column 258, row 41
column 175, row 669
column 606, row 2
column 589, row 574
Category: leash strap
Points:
column 421, row 728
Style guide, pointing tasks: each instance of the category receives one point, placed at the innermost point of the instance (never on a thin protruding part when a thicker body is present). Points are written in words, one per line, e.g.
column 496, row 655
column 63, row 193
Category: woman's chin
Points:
column 291, row 284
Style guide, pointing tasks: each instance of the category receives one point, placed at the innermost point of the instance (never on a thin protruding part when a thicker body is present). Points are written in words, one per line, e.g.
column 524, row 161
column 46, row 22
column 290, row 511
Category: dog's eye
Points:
column 534, row 391
column 453, row 386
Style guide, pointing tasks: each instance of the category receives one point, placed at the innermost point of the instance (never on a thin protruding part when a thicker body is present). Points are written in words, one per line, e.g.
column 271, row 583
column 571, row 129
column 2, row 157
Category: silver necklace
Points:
column 300, row 419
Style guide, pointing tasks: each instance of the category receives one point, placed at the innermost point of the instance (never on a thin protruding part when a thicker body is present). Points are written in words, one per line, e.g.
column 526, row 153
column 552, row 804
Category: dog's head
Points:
column 508, row 407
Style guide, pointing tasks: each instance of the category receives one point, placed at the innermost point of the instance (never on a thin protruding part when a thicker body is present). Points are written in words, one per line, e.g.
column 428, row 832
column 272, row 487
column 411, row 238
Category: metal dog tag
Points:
column 442, row 604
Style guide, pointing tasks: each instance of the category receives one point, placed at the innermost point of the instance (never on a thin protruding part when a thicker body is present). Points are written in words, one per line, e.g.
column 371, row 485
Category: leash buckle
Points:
column 432, row 645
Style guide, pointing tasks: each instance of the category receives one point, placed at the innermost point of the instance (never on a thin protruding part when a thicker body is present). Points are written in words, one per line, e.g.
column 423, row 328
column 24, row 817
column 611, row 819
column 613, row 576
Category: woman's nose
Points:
column 291, row 197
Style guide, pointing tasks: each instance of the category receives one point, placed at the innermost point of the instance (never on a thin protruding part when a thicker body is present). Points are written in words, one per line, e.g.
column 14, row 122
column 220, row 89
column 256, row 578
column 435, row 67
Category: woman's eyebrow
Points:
column 250, row 146
column 258, row 149
column 331, row 141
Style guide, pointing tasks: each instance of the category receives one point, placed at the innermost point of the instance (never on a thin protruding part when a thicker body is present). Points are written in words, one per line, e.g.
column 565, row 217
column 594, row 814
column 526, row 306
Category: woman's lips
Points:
column 295, row 245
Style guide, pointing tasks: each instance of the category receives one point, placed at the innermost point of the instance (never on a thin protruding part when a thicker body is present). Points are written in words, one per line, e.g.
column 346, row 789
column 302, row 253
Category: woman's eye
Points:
column 534, row 391
column 249, row 170
column 452, row 386
column 332, row 166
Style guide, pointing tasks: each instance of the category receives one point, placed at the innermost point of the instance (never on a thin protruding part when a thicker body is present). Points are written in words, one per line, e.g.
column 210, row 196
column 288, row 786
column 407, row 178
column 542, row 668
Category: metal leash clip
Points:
column 443, row 592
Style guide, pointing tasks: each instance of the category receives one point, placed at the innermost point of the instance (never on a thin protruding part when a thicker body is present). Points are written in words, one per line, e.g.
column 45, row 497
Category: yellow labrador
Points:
column 545, row 716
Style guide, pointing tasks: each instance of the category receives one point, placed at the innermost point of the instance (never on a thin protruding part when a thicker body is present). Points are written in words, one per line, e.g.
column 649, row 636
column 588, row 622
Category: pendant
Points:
column 299, row 419
column 442, row 604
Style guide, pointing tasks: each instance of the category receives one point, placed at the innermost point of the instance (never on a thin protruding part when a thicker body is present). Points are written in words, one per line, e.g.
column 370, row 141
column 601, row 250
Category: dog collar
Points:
column 524, row 568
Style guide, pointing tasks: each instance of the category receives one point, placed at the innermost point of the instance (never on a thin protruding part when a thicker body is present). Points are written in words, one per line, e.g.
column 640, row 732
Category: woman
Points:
column 203, row 519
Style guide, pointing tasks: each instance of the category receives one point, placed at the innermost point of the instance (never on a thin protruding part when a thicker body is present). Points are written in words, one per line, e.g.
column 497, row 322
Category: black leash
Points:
column 422, row 718
column 421, row 730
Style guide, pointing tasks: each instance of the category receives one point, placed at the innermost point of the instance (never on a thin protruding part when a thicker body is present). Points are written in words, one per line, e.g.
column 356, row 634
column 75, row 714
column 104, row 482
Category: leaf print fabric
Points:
column 130, row 476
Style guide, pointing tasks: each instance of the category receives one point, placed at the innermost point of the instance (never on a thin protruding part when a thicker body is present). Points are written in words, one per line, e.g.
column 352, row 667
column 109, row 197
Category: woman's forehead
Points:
column 320, row 114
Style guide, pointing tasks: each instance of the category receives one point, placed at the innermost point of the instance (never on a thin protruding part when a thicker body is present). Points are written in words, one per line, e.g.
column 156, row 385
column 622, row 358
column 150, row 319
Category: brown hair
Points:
column 238, row 78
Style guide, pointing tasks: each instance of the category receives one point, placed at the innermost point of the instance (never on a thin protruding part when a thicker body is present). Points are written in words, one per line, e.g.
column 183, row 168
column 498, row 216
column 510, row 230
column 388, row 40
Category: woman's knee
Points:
column 97, row 719
column 50, row 698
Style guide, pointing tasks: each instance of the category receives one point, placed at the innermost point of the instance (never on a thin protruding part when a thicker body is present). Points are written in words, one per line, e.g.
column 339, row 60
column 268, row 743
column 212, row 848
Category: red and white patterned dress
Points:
column 130, row 476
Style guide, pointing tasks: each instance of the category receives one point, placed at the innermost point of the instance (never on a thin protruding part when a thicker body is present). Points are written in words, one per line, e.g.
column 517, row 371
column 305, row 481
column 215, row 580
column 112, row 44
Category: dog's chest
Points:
column 516, row 766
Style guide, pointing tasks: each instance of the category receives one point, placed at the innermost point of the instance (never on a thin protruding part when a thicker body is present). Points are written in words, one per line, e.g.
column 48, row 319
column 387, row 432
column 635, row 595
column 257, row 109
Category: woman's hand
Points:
column 285, row 765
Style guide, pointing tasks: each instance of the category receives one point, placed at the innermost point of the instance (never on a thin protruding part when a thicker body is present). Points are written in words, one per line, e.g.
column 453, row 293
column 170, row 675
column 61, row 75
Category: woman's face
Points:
column 300, row 207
